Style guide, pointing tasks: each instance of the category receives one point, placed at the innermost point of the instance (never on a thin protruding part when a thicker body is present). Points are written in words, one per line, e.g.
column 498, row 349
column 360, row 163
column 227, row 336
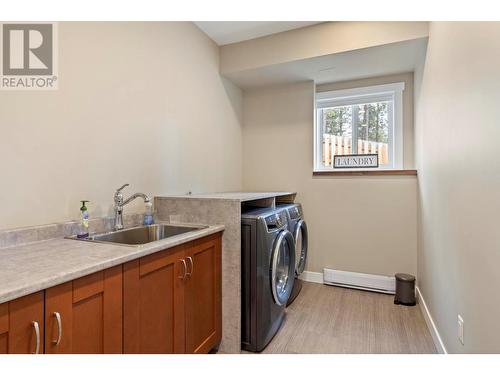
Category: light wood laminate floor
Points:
column 327, row 319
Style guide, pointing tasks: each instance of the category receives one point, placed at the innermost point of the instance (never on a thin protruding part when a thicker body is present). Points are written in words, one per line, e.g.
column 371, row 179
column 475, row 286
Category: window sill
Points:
column 378, row 172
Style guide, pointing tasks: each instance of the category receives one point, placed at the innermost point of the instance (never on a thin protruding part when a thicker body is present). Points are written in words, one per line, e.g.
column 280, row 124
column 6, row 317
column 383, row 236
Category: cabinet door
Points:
column 203, row 302
column 21, row 325
column 85, row 315
column 4, row 328
column 154, row 303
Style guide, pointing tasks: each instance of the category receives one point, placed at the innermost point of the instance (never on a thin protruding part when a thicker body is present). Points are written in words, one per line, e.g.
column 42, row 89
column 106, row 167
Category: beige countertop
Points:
column 241, row 196
column 32, row 267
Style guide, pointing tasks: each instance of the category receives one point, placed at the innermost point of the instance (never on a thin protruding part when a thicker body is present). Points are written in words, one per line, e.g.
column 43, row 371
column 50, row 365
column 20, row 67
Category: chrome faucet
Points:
column 119, row 203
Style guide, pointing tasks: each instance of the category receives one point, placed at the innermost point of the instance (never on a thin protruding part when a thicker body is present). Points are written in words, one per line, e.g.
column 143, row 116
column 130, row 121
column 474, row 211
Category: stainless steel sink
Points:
column 141, row 235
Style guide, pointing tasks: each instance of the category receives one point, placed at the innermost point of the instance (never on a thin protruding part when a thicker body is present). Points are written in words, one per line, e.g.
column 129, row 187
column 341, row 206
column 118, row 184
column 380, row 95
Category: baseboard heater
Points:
column 356, row 280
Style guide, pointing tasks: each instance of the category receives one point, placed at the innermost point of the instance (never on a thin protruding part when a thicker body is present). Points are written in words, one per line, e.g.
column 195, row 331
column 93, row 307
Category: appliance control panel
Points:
column 295, row 212
column 276, row 220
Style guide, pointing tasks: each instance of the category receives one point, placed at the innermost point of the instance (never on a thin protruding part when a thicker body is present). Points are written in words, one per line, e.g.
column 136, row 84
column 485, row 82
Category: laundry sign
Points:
column 355, row 161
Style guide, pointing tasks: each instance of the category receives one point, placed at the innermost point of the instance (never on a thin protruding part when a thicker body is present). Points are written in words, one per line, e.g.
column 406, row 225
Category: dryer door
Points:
column 282, row 267
column 300, row 236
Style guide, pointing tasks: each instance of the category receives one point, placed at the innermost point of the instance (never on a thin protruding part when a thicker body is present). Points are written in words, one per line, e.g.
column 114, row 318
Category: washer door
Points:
column 282, row 267
column 300, row 236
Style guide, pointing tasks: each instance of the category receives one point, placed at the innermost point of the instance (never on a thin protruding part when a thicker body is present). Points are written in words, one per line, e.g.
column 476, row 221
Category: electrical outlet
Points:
column 461, row 329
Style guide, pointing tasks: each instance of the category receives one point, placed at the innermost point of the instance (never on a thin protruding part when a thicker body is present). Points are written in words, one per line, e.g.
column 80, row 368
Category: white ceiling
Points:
column 226, row 32
column 362, row 63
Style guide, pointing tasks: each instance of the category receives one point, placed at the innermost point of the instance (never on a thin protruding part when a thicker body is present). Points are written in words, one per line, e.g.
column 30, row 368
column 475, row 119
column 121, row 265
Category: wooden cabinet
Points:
column 166, row 302
column 203, row 297
column 153, row 302
column 172, row 299
column 85, row 315
column 4, row 328
column 80, row 316
column 21, row 325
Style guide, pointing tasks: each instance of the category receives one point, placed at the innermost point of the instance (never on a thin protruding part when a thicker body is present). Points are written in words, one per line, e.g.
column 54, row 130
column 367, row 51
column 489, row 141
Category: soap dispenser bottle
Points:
column 84, row 221
column 148, row 214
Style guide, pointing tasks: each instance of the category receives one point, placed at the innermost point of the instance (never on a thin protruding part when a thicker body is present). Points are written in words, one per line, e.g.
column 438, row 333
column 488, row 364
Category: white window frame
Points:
column 389, row 92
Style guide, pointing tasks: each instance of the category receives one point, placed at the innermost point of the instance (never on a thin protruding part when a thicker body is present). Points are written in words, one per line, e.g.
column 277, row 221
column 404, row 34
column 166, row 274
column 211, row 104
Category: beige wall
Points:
column 408, row 131
column 141, row 103
column 362, row 224
column 317, row 40
column 459, row 183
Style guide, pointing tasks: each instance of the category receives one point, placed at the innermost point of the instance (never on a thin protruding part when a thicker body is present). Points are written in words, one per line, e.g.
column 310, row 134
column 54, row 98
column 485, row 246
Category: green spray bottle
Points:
column 84, row 221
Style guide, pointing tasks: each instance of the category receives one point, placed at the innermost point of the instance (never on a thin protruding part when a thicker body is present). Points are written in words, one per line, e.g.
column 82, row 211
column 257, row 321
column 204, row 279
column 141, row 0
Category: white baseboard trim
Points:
column 436, row 337
column 312, row 277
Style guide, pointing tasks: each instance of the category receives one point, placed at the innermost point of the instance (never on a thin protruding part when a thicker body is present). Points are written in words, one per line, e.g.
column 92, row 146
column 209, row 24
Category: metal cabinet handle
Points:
column 185, row 269
column 59, row 329
column 37, row 333
column 192, row 267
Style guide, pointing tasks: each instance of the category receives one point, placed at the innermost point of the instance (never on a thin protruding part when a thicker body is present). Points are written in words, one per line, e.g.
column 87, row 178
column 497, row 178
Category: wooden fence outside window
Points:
column 337, row 145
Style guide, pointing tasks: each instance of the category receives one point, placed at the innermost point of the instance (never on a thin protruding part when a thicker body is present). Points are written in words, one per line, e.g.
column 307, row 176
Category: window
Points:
column 367, row 120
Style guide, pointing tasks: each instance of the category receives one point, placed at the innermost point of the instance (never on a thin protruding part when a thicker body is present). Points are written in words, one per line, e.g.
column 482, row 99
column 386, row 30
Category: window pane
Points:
column 373, row 129
column 365, row 120
column 337, row 133
column 338, row 121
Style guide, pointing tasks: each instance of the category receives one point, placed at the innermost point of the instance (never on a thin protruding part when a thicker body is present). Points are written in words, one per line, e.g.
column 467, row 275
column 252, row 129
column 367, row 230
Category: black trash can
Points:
column 405, row 290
